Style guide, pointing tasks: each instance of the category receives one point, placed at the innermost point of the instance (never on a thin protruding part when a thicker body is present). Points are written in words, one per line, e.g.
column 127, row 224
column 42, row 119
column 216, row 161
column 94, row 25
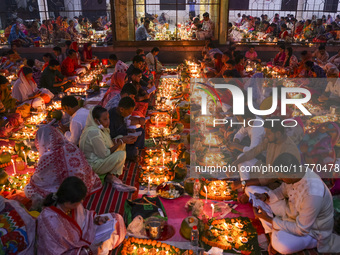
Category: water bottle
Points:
column 194, row 236
column 197, row 188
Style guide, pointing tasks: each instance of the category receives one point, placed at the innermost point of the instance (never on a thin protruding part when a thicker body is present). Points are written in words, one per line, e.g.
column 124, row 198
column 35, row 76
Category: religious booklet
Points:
column 104, row 231
column 152, row 89
column 259, row 203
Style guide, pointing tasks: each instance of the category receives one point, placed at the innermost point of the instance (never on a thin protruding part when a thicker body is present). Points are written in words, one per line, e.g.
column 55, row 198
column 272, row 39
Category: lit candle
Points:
column 206, row 194
column 14, row 169
column 212, row 210
column 148, row 193
column 25, row 156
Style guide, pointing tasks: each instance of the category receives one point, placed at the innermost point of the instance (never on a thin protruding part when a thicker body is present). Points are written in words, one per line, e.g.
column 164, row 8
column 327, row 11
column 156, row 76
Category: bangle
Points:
column 121, row 141
column 88, row 250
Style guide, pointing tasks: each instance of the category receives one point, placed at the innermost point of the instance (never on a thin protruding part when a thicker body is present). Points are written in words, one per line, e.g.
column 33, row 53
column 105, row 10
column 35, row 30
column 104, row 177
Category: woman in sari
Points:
column 291, row 62
column 66, row 227
column 8, row 102
column 117, row 83
column 18, row 37
column 58, row 159
column 25, row 90
column 17, row 229
column 280, row 57
column 87, row 55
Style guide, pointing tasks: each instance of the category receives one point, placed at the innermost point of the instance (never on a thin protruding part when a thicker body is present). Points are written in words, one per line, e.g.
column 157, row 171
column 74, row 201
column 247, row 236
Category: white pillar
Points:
column 43, row 10
column 300, row 8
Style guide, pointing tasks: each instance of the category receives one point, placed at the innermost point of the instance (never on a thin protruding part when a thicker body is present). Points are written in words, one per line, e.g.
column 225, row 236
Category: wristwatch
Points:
column 244, row 184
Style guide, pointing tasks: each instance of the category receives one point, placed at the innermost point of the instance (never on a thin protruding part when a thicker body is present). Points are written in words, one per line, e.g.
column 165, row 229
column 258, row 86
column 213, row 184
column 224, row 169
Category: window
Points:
column 289, row 5
column 171, row 20
column 172, row 5
column 92, row 19
column 238, row 4
column 331, row 6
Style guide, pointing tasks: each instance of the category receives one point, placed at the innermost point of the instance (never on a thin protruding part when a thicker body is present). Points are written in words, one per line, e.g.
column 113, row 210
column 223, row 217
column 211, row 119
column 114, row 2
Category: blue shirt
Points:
column 142, row 34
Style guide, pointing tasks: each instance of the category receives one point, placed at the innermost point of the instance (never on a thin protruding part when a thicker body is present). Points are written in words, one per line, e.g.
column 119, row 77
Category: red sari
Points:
column 59, row 233
column 117, row 83
column 59, row 159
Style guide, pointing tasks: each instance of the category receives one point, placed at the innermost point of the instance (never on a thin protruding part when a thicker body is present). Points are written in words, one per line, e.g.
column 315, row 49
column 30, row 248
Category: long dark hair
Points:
column 71, row 190
column 290, row 53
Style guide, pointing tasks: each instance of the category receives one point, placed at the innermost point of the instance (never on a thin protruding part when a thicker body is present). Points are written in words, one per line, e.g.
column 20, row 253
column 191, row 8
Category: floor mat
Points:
column 108, row 199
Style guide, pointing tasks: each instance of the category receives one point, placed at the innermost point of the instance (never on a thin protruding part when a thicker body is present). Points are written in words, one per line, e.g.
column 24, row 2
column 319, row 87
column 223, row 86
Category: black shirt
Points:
column 143, row 82
column 48, row 79
column 117, row 123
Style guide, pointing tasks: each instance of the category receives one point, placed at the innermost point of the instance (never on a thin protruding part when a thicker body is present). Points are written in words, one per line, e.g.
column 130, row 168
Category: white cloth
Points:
column 307, row 211
column 286, row 243
column 23, row 89
column 256, row 134
column 81, row 70
column 77, row 125
column 334, row 88
column 150, row 61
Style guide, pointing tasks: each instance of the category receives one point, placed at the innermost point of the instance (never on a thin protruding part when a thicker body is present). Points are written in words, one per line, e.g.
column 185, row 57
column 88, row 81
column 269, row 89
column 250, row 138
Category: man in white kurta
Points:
column 306, row 216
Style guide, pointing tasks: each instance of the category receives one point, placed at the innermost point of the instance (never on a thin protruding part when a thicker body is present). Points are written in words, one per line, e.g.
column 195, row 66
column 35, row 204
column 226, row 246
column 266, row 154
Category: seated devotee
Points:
column 138, row 63
column 18, row 37
column 72, row 31
column 283, row 32
column 58, row 159
column 152, row 61
column 120, row 120
column 106, row 156
column 276, row 143
column 314, row 71
column 208, row 27
column 87, row 55
column 140, row 52
column 225, row 57
column 26, row 90
column 212, row 50
column 332, row 91
column 142, row 31
column 52, row 79
column 18, row 228
column 78, row 116
column 280, row 57
column 47, row 57
column 303, row 211
column 291, row 62
column 66, row 227
column 335, row 60
column 70, row 67
column 119, row 65
column 74, row 46
column 58, row 54
column 6, row 99
column 135, row 78
column 298, row 29
column 129, row 90
column 68, row 47
column 116, row 84
column 16, row 57
column 252, row 55
column 321, row 56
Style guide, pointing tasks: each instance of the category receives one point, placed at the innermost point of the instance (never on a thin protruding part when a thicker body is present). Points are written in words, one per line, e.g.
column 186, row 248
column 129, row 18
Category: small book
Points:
column 152, row 89
column 104, row 231
column 136, row 133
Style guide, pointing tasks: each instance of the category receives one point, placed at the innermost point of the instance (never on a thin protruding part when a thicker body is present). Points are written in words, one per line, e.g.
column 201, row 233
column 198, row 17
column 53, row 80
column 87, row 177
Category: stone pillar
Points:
column 124, row 22
column 224, row 14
